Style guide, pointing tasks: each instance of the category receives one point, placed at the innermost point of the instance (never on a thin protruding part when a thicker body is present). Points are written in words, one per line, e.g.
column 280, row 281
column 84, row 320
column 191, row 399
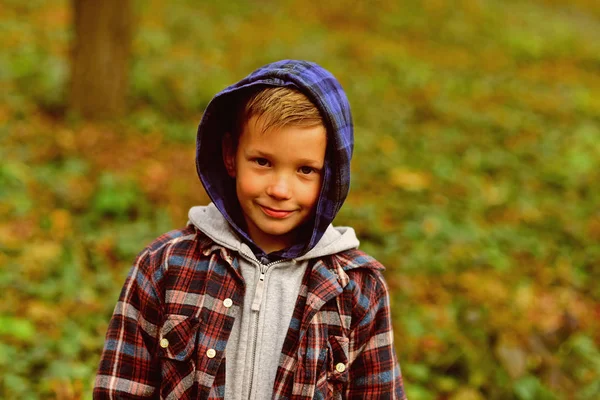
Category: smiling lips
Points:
column 275, row 213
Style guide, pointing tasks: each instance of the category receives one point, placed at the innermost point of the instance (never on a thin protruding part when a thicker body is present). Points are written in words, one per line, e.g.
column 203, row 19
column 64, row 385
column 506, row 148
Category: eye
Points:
column 307, row 170
column 263, row 162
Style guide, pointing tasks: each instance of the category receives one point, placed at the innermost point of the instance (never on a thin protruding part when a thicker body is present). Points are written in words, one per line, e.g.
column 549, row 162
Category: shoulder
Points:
column 360, row 267
column 365, row 280
column 183, row 239
column 176, row 246
column 178, row 237
column 354, row 258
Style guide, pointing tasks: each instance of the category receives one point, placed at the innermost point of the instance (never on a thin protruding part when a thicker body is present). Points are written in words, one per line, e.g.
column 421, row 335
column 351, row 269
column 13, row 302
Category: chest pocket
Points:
column 337, row 366
column 178, row 336
column 338, row 348
column 337, row 359
column 177, row 349
column 191, row 347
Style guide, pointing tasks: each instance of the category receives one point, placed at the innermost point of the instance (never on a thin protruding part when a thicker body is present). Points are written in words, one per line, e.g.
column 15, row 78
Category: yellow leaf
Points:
column 61, row 223
column 430, row 226
column 512, row 357
column 414, row 181
column 387, row 144
column 466, row 393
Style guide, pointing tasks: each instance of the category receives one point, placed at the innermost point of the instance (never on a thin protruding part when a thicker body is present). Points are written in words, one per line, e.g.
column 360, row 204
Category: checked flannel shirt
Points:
column 170, row 327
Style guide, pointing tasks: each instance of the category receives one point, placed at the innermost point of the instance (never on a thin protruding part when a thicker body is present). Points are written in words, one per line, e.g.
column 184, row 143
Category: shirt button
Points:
column 211, row 353
column 228, row 302
column 340, row 367
column 264, row 260
column 164, row 343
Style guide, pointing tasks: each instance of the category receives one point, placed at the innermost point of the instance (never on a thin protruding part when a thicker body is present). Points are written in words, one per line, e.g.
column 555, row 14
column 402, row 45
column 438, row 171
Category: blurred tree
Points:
column 100, row 58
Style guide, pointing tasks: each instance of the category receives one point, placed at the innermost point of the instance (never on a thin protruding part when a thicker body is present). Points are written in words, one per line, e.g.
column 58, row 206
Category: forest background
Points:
column 476, row 178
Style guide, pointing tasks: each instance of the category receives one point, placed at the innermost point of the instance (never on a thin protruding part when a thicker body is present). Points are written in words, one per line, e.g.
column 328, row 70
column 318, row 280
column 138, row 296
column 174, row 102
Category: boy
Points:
column 259, row 296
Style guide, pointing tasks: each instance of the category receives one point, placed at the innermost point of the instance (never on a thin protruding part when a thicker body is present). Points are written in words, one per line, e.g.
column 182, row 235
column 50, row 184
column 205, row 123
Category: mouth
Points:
column 275, row 213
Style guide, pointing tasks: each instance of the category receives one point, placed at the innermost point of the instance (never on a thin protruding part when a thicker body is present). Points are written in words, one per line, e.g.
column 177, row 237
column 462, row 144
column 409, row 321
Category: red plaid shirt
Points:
column 169, row 330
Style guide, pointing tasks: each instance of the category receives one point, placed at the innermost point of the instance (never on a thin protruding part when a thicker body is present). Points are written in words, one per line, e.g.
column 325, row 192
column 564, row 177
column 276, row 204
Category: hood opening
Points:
column 326, row 93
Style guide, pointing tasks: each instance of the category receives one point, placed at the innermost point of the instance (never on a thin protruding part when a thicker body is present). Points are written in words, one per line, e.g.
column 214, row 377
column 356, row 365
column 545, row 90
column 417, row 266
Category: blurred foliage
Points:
column 476, row 179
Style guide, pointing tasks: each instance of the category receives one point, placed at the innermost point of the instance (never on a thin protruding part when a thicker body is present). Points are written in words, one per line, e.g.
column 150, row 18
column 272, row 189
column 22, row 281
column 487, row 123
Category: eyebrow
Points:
column 309, row 161
column 259, row 153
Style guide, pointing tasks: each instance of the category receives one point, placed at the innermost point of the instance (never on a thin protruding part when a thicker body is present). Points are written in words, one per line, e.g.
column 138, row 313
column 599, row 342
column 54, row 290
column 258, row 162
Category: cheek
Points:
column 311, row 194
column 247, row 187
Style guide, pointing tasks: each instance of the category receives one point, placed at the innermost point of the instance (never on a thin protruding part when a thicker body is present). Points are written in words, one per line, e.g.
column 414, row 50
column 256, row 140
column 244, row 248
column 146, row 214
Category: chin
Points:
column 277, row 232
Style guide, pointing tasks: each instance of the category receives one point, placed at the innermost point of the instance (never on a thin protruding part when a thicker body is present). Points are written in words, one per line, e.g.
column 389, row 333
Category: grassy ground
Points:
column 475, row 180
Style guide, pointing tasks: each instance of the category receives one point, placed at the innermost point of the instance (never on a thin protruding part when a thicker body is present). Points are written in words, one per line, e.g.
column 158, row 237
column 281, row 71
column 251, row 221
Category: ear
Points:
column 228, row 150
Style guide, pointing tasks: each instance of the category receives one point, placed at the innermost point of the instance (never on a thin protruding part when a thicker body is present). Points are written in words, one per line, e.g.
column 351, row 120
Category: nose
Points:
column 279, row 188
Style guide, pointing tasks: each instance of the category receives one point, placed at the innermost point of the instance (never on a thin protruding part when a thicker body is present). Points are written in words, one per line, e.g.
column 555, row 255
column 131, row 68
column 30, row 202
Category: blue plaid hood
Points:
column 321, row 87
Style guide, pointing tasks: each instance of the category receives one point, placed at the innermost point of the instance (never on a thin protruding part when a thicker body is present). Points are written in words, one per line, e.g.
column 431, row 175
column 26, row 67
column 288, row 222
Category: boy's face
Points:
column 278, row 179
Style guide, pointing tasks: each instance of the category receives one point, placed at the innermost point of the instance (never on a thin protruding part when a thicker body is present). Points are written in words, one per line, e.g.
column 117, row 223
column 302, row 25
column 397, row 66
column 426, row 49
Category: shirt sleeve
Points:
column 128, row 367
column 374, row 370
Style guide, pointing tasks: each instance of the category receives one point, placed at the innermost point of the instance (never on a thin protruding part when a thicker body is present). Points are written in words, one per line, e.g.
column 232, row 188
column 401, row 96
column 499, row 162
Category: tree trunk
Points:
column 100, row 58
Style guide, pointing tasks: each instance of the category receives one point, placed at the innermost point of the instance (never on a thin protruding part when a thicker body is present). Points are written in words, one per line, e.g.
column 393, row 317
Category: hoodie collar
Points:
column 210, row 221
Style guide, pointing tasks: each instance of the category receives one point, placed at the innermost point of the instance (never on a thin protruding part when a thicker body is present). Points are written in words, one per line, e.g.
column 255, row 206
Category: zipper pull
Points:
column 258, row 294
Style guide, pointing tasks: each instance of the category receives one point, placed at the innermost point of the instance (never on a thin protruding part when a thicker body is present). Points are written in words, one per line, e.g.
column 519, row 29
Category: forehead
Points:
column 289, row 140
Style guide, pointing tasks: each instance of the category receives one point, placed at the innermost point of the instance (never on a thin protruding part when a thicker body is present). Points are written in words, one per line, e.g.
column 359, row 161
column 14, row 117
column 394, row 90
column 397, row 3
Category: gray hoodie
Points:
column 257, row 336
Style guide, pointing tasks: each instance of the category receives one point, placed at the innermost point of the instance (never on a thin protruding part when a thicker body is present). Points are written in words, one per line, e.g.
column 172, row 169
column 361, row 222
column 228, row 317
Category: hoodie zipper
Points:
column 256, row 303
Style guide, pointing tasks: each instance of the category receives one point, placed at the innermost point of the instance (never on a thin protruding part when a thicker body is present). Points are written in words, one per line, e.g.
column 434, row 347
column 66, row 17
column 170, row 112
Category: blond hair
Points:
column 276, row 107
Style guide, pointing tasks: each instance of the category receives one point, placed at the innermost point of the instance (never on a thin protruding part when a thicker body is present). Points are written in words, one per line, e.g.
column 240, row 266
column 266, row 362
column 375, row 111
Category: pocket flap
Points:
column 338, row 358
column 178, row 337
